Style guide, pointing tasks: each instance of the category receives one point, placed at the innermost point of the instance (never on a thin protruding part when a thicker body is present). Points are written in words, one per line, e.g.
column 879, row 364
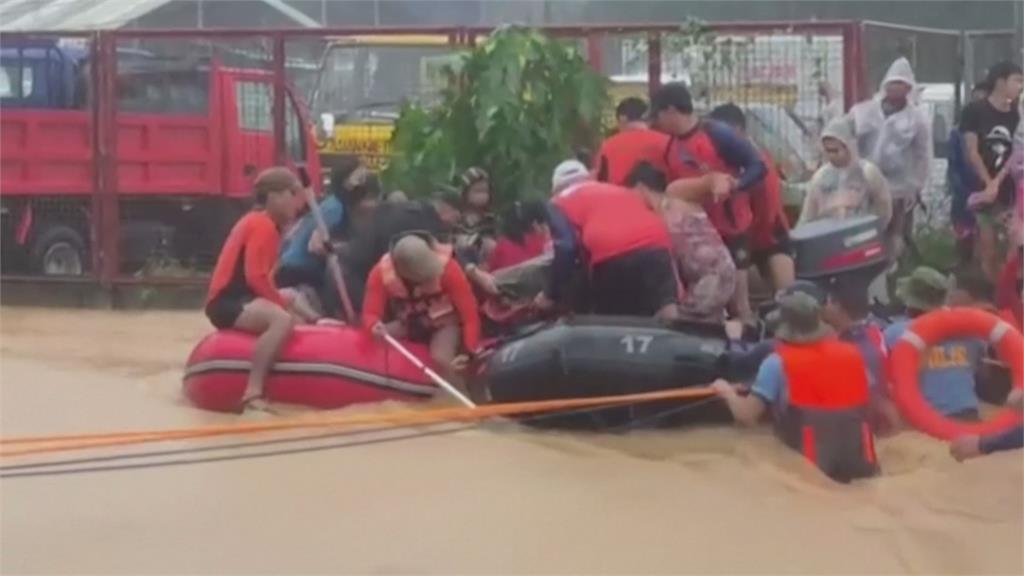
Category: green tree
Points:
column 519, row 104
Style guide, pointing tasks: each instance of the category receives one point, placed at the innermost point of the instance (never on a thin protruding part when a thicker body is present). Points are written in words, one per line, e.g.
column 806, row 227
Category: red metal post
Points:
column 280, row 101
column 106, row 221
column 595, row 52
column 853, row 64
column 653, row 63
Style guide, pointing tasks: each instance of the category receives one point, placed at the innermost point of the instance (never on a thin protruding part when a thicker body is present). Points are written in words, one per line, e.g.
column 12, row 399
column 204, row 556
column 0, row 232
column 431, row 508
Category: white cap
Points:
column 568, row 173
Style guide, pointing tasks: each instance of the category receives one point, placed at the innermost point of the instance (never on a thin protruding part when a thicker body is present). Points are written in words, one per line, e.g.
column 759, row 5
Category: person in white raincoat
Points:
column 846, row 185
column 895, row 134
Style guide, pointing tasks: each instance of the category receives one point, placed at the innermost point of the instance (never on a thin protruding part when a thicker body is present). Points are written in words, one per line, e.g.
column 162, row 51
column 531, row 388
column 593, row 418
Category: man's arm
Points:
column 880, row 197
column 375, row 300
column 923, row 149
column 261, row 252
column 738, row 153
column 810, row 209
column 971, row 129
column 767, row 388
column 695, row 189
column 461, row 293
column 566, row 249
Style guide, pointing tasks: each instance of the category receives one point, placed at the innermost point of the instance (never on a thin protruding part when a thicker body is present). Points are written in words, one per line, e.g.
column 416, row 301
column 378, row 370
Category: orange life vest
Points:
column 827, row 418
column 427, row 303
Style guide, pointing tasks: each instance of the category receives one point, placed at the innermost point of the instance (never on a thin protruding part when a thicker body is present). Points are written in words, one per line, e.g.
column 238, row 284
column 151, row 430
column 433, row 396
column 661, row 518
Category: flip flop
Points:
column 257, row 403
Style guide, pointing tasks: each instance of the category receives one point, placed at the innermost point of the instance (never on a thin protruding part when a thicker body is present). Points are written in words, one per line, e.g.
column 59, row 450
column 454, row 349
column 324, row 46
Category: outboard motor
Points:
column 829, row 247
column 833, row 250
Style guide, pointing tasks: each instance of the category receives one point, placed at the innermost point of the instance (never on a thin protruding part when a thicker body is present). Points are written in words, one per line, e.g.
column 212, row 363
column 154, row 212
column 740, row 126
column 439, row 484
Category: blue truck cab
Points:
column 42, row 74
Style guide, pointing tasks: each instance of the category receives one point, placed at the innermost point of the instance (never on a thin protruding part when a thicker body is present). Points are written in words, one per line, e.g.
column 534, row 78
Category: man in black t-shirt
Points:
column 988, row 126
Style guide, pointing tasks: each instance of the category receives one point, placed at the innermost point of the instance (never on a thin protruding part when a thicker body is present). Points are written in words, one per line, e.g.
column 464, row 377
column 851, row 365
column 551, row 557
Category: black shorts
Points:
column 739, row 249
column 288, row 277
column 638, row 283
column 780, row 245
column 224, row 310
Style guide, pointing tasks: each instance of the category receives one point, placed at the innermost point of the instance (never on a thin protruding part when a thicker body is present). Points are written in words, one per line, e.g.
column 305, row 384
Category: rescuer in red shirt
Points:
column 418, row 291
column 624, row 243
column 242, row 293
column 634, row 143
column 699, row 147
column 769, row 228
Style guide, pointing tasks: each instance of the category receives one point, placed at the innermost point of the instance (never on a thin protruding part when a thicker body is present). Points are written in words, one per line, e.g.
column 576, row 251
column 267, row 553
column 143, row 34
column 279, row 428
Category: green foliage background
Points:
column 519, row 104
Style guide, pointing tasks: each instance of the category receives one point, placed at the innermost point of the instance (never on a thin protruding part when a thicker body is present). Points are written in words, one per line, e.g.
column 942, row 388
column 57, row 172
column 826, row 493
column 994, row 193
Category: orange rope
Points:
column 62, row 443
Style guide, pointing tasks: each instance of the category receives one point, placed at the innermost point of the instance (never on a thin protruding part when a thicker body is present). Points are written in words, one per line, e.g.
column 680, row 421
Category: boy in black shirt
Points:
column 988, row 126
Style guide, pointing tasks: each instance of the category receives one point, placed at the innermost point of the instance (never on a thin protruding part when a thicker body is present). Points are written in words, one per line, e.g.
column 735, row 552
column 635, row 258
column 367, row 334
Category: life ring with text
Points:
column 933, row 328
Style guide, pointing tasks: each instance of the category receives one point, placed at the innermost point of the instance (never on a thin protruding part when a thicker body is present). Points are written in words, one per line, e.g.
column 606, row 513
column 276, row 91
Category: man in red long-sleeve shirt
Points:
column 635, row 142
column 418, row 291
column 242, row 293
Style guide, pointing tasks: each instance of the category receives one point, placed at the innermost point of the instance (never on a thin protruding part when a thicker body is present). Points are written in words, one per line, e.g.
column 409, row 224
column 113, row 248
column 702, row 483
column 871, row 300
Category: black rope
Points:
column 228, row 457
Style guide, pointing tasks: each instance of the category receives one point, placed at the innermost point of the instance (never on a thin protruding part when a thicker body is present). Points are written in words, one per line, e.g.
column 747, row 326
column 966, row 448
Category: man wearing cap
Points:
column 623, row 239
column 418, row 291
column 567, row 176
column 817, row 387
column 698, row 147
column 947, row 370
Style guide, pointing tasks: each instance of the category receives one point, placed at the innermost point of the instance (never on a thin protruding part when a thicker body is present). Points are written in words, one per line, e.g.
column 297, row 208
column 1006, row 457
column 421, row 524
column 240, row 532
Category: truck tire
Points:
column 59, row 250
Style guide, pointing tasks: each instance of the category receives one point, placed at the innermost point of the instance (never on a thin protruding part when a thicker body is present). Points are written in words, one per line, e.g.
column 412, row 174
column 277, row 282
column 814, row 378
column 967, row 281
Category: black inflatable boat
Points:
column 601, row 356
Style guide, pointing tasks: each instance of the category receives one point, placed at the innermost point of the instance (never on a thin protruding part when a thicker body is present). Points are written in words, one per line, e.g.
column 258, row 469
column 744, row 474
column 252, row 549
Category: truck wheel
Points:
column 59, row 250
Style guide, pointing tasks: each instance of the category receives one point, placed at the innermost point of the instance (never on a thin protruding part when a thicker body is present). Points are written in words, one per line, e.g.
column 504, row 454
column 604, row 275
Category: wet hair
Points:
column 471, row 176
column 585, row 156
column 852, row 296
column 646, row 174
column 518, row 219
column 632, row 109
column 675, row 95
column 396, row 196
column 273, row 180
column 346, row 165
column 1001, row 71
column 974, row 282
column 447, row 196
column 730, row 114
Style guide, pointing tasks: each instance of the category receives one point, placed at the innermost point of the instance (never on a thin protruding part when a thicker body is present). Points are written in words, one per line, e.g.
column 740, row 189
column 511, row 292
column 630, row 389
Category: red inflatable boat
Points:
column 320, row 367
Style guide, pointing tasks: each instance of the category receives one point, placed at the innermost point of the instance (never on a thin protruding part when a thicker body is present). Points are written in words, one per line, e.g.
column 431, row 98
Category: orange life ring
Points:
column 933, row 328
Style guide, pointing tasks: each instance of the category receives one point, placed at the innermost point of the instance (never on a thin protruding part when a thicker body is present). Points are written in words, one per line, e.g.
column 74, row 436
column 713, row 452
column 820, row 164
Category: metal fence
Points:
column 142, row 165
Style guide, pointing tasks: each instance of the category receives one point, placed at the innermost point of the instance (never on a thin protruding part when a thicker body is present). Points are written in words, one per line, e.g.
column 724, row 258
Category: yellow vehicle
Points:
column 362, row 84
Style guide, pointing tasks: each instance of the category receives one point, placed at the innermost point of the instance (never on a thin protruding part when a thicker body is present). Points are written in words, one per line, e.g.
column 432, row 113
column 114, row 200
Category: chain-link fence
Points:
column 128, row 155
column 789, row 80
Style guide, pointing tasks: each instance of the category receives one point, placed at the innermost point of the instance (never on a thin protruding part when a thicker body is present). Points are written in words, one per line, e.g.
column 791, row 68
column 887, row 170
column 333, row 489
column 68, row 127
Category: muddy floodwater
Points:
column 493, row 500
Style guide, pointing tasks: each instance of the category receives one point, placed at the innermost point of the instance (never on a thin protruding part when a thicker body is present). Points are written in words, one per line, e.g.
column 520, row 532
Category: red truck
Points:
column 191, row 136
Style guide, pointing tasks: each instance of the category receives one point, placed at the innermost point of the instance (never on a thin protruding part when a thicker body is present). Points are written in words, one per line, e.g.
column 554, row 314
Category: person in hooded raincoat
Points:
column 895, row 135
column 846, row 185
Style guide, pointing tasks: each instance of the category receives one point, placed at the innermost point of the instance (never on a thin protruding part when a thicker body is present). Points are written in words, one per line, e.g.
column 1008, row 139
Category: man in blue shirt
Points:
column 947, row 373
column 848, row 312
column 303, row 250
column 971, row 446
column 816, row 387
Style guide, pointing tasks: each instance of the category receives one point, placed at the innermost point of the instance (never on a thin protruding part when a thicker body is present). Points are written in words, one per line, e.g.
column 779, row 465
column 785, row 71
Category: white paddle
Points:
column 333, row 265
column 444, row 384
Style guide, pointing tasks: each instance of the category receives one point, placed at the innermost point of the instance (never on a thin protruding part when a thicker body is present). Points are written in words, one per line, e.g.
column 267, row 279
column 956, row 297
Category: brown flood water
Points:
column 485, row 501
